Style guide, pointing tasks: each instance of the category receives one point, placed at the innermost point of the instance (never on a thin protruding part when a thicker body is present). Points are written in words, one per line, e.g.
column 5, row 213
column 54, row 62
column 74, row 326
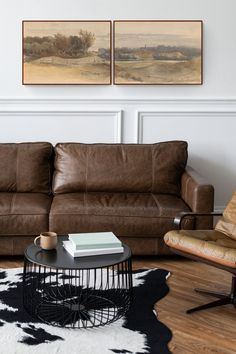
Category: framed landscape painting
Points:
column 66, row 52
column 157, row 52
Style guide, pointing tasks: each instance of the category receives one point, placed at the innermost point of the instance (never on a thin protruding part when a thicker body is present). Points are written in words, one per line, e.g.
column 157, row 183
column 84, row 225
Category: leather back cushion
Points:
column 227, row 224
column 25, row 167
column 153, row 168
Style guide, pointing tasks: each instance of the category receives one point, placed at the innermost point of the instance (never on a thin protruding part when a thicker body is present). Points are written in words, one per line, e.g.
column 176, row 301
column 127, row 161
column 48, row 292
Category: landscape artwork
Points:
column 158, row 52
column 66, row 52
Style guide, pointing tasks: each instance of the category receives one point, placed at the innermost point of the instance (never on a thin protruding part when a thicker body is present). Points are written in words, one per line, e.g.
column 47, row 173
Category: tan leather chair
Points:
column 215, row 247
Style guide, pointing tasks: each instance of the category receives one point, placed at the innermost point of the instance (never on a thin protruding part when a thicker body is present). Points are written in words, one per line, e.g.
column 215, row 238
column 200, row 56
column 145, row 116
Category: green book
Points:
column 94, row 240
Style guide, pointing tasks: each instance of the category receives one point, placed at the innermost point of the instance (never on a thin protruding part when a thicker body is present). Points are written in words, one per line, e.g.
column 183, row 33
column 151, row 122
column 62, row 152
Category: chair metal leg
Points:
column 233, row 287
column 211, row 293
column 224, row 299
column 220, row 302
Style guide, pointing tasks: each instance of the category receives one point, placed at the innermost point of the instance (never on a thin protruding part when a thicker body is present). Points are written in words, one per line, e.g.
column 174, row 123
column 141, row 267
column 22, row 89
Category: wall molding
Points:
column 167, row 104
column 141, row 108
column 141, row 115
column 116, row 114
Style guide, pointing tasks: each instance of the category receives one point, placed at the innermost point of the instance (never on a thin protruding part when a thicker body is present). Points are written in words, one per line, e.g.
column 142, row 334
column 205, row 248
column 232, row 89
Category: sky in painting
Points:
column 138, row 34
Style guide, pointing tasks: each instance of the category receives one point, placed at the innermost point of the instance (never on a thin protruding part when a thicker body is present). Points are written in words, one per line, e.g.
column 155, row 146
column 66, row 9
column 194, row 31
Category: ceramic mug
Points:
column 48, row 240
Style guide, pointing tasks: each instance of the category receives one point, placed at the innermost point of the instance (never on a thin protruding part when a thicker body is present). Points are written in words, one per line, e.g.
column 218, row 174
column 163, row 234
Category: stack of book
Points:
column 91, row 244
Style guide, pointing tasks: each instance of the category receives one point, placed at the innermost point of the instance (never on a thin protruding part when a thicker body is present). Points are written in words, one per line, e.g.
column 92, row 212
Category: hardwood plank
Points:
column 212, row 331
column 205, row 332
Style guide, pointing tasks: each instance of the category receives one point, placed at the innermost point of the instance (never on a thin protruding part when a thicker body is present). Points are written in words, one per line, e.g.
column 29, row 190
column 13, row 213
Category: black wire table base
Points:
column 77, row 298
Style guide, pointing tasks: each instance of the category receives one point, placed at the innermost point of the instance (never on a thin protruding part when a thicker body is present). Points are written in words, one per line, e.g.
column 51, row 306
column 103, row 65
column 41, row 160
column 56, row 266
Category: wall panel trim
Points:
column 142, row 115
column 207, row 104
column 117, row 116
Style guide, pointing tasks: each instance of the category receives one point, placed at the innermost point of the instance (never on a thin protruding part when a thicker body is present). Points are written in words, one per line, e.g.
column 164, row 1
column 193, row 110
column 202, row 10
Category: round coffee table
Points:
column 80, row 292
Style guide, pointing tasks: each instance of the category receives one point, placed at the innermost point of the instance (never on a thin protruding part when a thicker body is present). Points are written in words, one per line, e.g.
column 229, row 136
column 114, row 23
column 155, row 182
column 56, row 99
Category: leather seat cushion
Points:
column 207, row 244
column 24, row 213
column 136, row 214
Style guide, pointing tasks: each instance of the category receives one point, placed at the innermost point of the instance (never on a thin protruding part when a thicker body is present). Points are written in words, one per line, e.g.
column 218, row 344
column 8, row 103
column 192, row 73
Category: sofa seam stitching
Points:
column 17, row 152
column 7, row 215
column 152, row 171
column 121, row 216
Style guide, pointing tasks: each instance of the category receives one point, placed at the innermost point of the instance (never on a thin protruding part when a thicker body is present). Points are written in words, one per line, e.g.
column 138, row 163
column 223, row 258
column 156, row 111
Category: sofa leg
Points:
column 224, row 299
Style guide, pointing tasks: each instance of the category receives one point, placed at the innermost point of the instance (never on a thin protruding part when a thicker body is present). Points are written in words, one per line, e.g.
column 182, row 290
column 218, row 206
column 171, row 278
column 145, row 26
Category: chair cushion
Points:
column 155, row 168
column 227, row 224
column 25, row 167
column 207, row 244
column 24, row 213
column 136, row 214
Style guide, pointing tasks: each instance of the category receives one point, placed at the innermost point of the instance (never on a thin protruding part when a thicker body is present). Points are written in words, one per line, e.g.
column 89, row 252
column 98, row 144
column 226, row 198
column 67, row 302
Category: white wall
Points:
column 203, row 115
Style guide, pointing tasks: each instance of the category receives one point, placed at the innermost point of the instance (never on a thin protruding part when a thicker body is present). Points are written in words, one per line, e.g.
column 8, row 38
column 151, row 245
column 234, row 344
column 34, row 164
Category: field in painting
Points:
column 49, row 70
column 151, row 71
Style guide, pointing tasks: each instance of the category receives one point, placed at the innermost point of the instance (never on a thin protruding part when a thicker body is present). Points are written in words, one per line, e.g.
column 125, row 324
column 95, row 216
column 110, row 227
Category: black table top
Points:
column 61, row 259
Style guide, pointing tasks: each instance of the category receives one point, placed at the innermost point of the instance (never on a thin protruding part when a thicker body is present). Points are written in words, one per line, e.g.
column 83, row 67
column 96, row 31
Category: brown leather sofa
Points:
column 133, row 190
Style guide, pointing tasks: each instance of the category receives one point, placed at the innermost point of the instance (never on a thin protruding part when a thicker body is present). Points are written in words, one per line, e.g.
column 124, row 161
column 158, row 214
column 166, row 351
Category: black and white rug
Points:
column 139, row 332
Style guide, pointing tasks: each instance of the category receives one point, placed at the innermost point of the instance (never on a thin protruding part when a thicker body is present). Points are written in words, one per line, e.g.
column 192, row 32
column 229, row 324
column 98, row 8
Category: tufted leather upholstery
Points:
column 215, row 247
column 227, row 224
column 209, row 244
column 218, row 245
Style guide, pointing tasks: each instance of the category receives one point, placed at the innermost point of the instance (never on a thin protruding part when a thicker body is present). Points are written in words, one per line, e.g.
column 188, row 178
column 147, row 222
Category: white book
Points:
column 94, row 240
column 90, row 252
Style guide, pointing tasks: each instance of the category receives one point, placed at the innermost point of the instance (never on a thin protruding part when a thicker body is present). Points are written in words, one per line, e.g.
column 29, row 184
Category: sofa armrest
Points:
column 179, row 218
column 198, row 194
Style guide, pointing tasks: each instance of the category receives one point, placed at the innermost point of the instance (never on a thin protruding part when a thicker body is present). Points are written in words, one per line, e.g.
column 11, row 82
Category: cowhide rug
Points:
column 138, row 332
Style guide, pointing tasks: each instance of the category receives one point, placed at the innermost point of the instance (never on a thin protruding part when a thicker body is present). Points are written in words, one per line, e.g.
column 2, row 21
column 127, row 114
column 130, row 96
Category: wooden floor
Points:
column 211, row 331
